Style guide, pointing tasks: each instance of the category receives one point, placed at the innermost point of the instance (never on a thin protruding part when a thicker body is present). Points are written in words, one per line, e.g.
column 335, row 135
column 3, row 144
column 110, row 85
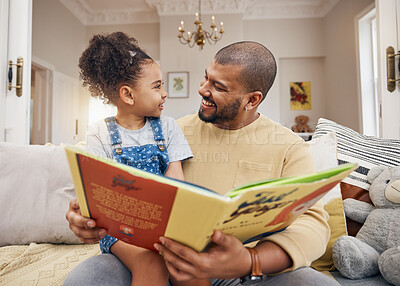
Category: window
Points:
column 368, row 72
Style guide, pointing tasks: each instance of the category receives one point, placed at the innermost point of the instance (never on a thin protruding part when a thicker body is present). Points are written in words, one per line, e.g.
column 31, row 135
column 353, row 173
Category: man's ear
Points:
column 126, row 95
column 253, row 100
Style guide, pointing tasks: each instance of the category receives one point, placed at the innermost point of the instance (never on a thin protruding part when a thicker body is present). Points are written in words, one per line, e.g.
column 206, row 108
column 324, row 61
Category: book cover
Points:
column 138, row 207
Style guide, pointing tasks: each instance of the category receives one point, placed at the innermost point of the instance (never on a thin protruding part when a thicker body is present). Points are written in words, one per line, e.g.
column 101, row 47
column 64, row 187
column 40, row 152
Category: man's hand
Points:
column 84, row 228
column 227, row 258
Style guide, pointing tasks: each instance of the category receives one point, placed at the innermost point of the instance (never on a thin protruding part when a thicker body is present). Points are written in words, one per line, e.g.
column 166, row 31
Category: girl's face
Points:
column 148, row 92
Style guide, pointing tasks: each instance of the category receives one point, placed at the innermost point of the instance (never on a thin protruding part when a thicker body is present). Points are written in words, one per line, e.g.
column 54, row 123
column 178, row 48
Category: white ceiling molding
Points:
column 100, row 12
column 278, row 9
column 185, row 7
column 103, row 15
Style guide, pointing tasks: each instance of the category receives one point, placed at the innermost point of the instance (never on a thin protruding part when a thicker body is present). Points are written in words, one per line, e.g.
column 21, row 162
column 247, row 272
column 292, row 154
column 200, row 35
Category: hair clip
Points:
column 132, row 54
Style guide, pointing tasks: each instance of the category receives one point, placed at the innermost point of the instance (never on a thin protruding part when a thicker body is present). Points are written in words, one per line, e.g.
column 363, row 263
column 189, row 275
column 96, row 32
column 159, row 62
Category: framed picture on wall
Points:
column 178, row 84
column 300, row 95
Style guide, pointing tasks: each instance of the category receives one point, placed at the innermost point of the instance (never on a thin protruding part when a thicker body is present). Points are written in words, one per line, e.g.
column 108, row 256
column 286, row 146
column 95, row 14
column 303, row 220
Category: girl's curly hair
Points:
column 109, row 61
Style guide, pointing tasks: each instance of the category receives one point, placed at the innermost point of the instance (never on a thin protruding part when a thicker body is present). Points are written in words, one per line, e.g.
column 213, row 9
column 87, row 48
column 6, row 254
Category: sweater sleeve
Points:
column 298, row 160
column 305, row 240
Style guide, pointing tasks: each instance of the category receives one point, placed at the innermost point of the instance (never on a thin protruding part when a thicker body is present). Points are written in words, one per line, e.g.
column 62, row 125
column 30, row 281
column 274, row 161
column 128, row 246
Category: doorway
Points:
column 40, row 103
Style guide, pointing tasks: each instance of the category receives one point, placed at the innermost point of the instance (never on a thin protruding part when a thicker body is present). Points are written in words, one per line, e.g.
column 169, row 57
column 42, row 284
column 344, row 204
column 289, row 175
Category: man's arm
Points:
column 84, row 228
column 305, row 240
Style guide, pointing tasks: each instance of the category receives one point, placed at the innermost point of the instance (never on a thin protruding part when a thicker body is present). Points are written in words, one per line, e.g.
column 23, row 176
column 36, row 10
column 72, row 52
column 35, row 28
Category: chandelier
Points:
column 199, row 36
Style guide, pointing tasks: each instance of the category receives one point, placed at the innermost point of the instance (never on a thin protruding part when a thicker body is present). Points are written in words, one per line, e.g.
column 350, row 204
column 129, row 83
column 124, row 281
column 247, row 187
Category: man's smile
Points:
column 207, row 103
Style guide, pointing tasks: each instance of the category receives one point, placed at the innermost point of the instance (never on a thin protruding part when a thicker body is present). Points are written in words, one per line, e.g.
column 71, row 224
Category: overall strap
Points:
column 157, row 131
column 114, row 133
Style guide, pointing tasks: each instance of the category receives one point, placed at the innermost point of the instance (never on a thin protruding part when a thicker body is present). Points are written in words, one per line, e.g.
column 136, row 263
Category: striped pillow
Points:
column 367, row 151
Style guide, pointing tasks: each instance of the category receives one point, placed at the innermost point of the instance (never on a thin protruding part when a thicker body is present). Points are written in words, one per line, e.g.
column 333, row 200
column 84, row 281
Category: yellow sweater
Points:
column 224, row 159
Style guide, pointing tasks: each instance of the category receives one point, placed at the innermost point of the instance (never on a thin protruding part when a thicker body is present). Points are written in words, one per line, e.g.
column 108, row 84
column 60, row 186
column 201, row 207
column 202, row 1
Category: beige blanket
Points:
column 41, row 264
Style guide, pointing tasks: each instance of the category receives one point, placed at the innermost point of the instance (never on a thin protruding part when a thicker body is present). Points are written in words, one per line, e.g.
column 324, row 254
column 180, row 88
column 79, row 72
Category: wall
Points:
column 331, row 38
column 288, row 38
column 341, row 100
column 148, row 35
column 177, row 57
column 298, row 44
column 298, row 39
column 57, row 36
column 285, row 38
column 302, row 69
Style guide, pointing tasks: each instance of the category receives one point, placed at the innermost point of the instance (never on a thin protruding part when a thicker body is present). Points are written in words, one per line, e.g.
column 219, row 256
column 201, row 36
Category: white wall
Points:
column 59, row 38
column 148, row 35
column 289, row 39
column 332, row 39
column 302, row 69
column 177, row 57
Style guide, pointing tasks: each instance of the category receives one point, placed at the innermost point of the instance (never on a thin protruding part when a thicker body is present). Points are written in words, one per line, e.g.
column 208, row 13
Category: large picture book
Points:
column 138, row 207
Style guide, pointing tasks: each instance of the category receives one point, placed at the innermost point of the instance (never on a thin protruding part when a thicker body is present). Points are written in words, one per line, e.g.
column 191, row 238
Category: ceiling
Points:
column 106, row 12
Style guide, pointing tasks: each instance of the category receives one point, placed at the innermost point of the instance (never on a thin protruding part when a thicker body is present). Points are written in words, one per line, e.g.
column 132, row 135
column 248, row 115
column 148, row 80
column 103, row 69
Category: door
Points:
column 3, row 63
column 16, row 38
column 388, row 21
column 65, row 109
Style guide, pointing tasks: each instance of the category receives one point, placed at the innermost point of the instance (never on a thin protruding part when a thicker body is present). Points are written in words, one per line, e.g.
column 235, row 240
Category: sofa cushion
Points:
column 35, row 190
column 354, row 192
column 324, row 152
column 42, row 264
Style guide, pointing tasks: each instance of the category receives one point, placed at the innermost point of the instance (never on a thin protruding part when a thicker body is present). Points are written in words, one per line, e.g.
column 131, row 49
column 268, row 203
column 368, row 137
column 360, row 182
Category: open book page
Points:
column 309, row 178
column 262, row 208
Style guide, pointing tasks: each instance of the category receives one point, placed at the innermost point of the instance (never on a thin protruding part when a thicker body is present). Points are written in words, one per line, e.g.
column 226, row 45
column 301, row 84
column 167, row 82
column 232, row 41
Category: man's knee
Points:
column 104, row 269
column 302, row 276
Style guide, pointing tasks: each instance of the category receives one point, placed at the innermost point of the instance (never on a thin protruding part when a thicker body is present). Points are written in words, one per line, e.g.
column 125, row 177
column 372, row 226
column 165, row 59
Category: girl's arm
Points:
column 147, row 267
column 95, row 143
column 175, row 171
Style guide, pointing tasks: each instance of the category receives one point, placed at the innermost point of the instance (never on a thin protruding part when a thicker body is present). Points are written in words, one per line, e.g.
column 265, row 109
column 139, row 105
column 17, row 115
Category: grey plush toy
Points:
column 376, row 247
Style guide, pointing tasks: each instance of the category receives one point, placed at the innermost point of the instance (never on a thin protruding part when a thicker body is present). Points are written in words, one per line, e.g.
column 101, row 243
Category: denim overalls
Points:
column 150, row 157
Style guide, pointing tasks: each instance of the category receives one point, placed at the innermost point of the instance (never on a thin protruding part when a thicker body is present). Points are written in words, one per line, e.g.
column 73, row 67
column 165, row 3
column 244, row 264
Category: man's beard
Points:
column 227, row 114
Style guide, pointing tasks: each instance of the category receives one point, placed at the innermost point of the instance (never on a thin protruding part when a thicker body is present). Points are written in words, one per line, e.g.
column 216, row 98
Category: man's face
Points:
column 223, row 94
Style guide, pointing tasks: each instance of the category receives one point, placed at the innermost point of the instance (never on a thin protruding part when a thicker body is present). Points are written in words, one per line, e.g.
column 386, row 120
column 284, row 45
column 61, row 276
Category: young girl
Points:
column 119, row 72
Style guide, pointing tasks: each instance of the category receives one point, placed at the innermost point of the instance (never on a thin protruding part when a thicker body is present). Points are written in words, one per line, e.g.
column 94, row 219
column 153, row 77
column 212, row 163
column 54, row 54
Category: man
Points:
column 233, row 144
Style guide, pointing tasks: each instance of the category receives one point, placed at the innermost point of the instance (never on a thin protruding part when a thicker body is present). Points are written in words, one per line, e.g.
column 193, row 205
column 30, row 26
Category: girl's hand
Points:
column 84, row 228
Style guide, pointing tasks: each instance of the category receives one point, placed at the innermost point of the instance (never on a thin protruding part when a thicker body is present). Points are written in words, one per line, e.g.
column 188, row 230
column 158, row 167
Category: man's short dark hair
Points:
column 257, row 62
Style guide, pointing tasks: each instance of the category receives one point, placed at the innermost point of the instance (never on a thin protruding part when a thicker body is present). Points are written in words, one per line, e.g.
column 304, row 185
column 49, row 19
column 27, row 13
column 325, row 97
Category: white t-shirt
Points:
column 99, row 142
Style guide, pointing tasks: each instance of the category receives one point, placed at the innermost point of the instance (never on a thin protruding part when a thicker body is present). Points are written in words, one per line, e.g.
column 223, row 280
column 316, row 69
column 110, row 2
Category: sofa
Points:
column 37, row 247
